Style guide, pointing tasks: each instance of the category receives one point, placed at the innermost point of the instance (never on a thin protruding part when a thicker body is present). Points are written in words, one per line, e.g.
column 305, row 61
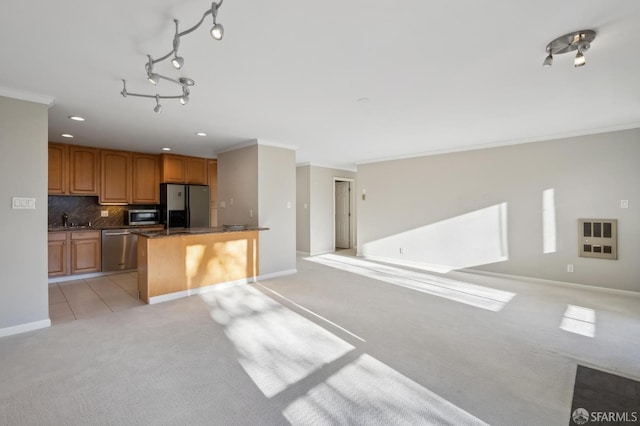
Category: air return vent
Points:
column 598, row 238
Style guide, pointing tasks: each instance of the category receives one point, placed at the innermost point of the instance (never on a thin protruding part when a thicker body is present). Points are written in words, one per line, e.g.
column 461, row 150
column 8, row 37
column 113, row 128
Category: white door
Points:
column 343, row 215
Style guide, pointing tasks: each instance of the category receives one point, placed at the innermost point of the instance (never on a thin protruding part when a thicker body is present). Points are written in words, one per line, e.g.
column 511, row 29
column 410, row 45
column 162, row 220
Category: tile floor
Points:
column 91, row 297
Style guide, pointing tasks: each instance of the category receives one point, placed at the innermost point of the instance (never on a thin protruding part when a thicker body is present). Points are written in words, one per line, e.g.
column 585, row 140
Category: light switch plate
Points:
column 23, row 203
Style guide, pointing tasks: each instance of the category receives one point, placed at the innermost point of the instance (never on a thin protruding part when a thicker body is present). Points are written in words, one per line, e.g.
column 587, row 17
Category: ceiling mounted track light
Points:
column 217, row 32
column 577, row 40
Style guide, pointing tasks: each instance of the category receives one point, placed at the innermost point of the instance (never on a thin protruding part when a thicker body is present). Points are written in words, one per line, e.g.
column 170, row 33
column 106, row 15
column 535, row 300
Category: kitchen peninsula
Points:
column 181, row 262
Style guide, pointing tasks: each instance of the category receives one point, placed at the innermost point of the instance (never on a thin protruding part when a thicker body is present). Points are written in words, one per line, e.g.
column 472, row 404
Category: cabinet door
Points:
column 58, row 168
column 83, row 170
column 196, row 170
column 145, row 179
column 115, row 177
column 58, row 253
column 85, row 252
column 173, row 169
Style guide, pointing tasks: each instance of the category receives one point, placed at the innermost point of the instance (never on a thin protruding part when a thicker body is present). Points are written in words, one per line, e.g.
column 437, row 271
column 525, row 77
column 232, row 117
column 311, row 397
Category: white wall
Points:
column 277, row 209
column 484, row 209
column 24, row 296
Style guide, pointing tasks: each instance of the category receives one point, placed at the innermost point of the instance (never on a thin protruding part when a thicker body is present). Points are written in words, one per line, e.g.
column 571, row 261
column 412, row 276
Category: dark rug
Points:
column 601, row 398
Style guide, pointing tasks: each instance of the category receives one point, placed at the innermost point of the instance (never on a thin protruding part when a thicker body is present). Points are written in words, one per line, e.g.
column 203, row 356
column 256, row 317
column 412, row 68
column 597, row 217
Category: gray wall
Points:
column 322, row 184
column 484, row 209
column 238, row 186
column 303, row 215
column 315, row 223
column 24, row 296
column 277, row 209
column 261, row 179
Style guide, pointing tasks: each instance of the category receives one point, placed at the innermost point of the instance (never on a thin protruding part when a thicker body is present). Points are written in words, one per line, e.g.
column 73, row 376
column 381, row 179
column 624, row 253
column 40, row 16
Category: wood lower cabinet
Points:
column 74, row 252
column 145, row 179
column 85, row 252
column 115, row 177
column 84, row 166
column 58, row 253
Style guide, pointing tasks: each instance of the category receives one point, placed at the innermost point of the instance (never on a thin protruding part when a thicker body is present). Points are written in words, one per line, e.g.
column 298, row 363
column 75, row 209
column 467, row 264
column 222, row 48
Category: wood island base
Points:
column 178, row 264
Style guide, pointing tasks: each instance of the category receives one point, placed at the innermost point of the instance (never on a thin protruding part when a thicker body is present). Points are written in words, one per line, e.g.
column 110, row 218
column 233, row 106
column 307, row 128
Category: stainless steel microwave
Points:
column 142, row 217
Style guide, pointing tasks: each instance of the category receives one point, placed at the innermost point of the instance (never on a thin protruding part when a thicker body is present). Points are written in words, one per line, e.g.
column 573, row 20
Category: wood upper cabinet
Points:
column 58, row 168
column 183, row 169
column 115, row 177
column 174, row 169
column 58, row 253
column 145, row 179
column 84, row 166
column 85, row 252
column 196, row 170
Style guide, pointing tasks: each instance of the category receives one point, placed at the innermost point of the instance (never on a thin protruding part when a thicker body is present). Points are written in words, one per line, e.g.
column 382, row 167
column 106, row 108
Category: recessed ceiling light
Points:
column 66, row 135
column 166, row 149
column 76, row 118
column 201, row 134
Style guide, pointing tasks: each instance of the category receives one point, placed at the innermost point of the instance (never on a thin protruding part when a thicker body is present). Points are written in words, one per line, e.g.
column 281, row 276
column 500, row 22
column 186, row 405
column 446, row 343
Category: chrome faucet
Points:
column 65, row 219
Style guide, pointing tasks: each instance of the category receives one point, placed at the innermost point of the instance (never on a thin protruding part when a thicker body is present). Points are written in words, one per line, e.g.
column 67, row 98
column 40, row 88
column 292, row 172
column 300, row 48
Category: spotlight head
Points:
column 158, row 109
column 580, row 60
column 184, row 100
column 153, row 78
column 548, row 61
column 217, row 31
column 177, row 62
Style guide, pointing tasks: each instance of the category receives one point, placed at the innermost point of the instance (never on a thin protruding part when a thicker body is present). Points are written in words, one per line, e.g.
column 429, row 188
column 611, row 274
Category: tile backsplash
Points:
column 82, row 210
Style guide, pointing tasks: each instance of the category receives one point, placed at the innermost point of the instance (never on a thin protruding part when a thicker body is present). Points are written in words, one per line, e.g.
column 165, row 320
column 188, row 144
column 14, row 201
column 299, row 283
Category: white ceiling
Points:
column 439, row 75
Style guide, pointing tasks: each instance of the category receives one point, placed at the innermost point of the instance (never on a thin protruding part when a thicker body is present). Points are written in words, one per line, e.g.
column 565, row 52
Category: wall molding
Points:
column 23, row 328
column 276, row 274
column 23, row 95
column 616, row 291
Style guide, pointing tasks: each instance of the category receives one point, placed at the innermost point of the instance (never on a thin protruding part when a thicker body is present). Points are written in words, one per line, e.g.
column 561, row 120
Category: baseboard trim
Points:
column 65, row 278
column 200, row 290
column 277, row 274
column 615, row 291
column 23, row 328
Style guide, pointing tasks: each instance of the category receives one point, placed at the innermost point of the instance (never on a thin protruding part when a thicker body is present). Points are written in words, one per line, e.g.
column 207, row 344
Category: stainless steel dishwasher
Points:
column 119, row 249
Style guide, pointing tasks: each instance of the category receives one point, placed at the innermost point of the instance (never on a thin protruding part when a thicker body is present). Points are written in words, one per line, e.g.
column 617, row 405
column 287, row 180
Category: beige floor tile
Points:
column 89, row 308
column 55, row 295
column 77, row 290
column 61, row 319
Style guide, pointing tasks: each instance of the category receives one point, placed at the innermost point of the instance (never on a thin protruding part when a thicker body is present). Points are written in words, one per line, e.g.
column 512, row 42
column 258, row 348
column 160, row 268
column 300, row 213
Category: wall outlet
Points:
column 223, row 204
column 624, row 204
column 288, row 204
column 104, row 213
column 569, row 268
column 250, row 212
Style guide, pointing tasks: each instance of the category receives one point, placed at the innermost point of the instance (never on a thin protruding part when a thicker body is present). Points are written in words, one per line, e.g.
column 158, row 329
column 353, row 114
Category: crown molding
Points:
column 24, row 95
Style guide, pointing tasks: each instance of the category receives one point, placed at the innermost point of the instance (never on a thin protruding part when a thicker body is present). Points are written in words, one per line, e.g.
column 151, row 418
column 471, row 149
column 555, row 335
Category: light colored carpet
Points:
column 341, row 342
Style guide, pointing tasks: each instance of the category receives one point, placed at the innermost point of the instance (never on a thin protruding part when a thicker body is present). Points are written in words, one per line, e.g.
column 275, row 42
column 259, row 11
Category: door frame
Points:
column 352, row 209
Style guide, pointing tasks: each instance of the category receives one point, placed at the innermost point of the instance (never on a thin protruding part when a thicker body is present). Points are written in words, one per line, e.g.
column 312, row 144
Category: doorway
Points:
column 344, row 225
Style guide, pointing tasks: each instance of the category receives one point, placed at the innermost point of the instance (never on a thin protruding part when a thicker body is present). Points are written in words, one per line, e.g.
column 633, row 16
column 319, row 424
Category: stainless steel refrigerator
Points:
column 184, row 206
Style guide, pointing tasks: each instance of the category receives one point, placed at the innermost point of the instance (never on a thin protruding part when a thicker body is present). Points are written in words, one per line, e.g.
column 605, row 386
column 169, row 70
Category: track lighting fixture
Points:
column 158, row 108
column 217, row 32
column 577, row 40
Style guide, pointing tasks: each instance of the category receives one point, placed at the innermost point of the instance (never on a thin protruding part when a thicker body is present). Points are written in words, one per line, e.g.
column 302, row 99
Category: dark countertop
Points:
column 173, row 232
column 59, row 228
